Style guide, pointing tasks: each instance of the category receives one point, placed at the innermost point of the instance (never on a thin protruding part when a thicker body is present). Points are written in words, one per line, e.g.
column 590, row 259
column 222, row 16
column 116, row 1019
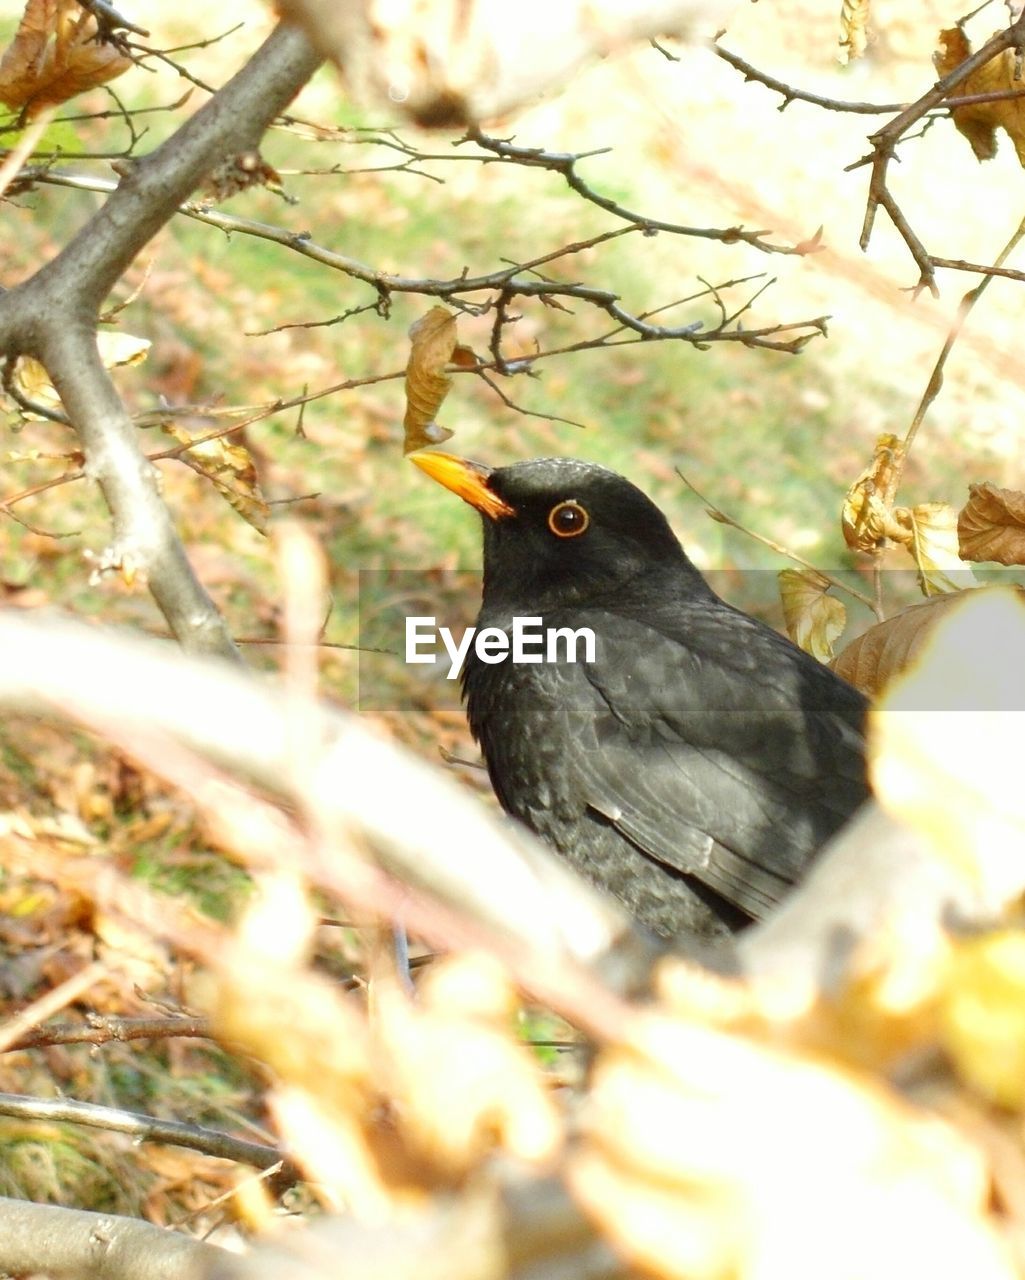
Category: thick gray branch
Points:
column 53, row 316
column 145, row 541
column 59, row 1242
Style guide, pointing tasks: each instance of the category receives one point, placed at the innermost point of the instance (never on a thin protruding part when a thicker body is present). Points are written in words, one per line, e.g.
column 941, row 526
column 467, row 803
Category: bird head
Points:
column 558, row 531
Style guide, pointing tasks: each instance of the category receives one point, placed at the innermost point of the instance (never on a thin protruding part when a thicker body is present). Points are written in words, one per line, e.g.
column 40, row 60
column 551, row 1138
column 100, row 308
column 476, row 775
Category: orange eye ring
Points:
column 568, row 519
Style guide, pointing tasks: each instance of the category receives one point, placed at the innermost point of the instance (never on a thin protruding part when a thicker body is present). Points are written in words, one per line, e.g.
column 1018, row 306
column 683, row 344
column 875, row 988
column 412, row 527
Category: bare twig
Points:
column 142, row 1128
column 16, row 1029
column 103, row 1030
column 935, row 383
column 721, row 517
column 884, row 143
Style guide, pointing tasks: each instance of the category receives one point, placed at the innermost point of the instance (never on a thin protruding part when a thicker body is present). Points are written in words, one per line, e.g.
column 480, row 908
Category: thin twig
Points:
column 721, row 517
column 884, row 144
column 102, row 1030
column 143, row 1128
column 935, row 383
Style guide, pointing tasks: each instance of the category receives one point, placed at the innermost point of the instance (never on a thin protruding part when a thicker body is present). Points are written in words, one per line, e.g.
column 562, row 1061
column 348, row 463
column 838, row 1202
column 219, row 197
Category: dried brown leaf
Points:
column 55, row 55
column 873, row 659
column 991, row 525
column 433, row 344
column 853, row 29
column 979, row 122
column 815, row 620
column 866, row 518
column 230, row 469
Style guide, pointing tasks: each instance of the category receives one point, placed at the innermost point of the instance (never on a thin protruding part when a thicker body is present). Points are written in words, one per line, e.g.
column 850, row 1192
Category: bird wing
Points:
column 723, row 751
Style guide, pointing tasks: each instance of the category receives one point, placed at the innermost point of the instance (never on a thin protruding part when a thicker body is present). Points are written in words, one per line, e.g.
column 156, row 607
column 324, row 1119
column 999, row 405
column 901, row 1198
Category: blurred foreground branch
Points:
column 73, row 1243
column 430, row 834
column 458, row 64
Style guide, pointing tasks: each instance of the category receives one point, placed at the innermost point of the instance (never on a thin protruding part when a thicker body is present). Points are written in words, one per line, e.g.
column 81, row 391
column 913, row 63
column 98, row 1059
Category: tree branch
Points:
column 884, row 144
column 53, row 316
column 58, row 1242
column 143, row 1128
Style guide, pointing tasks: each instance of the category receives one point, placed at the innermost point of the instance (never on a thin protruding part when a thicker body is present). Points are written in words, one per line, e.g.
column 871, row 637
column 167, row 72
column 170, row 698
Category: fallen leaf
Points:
column 55, row 55
column 433, row 345
column 815, row 620
column 980, row 121
column 991, row 525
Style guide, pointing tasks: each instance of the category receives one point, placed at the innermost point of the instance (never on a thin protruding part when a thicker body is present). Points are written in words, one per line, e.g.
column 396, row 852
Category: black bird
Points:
column 697, row 765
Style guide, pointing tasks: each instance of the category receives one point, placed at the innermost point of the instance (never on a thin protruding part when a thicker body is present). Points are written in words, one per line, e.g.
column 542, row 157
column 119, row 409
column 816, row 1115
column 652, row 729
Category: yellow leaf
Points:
column 680, row 1161
column 815, row 620
column 427, row 384
column 866, row 518
column 933, row 545
column 116, row 350
column 980, row 121
column 853, row 29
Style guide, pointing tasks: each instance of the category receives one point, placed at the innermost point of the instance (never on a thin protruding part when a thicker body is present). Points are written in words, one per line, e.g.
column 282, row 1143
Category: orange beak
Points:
column 467, row 479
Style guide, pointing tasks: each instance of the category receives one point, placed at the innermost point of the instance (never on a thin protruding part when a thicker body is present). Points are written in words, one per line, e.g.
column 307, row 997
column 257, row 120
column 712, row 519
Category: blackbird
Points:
column 696, row 766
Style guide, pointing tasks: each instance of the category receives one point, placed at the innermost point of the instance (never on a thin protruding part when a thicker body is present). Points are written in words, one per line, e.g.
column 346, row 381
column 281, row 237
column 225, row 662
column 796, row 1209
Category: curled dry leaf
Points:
column 54, row 56
column 117, row 350
column 853, row 29
column 945, row 745
column 681, row 1163
column 991, row 525
column 979, row 122
column 230, row 469
column 433, row 344
column 866, row 518
column 815, row 620
column 931, row 540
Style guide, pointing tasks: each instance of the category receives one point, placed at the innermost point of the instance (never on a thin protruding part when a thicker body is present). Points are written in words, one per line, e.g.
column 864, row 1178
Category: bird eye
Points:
column 568, row 520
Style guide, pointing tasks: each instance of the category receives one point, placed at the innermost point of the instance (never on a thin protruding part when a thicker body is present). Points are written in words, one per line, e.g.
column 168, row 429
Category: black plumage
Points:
column 697, row 765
